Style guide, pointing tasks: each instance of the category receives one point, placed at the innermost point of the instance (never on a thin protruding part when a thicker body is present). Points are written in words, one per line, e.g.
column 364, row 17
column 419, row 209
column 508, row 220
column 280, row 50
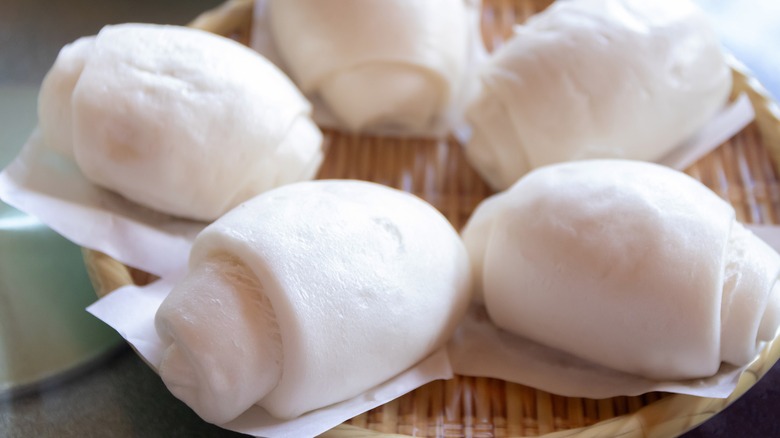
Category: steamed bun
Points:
column 179, row 120
column 378, row 64
column 626, row 264
column 308, row 295
column 590, row 79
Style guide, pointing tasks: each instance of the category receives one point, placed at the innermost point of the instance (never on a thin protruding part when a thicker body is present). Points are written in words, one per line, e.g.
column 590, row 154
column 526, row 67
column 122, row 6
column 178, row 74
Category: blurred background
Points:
column 750, row 30
column 62, row 373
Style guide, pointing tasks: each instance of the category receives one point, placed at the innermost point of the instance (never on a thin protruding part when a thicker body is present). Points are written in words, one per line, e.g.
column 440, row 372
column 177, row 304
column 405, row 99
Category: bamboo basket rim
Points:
column 671, row 415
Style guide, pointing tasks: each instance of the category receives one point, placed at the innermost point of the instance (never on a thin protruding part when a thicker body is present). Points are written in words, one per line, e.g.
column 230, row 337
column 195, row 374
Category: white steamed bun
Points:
column 626, row 264
column 308, row 295
column 179, row 120
column 589, row 79
column 378, row 64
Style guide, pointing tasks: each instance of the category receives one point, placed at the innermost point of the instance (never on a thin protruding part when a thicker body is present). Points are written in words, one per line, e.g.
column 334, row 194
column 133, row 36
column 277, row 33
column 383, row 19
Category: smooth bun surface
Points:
column 179, row 120
column 628, row 265
column 378, row 64
column 308, row 295
column 596, row 79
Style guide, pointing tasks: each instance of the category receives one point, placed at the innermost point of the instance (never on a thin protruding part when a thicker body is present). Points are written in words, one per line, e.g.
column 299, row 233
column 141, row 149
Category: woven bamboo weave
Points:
column 742, row 171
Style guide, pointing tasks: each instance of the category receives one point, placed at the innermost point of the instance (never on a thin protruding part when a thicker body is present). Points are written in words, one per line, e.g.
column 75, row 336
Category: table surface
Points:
column 120, row 396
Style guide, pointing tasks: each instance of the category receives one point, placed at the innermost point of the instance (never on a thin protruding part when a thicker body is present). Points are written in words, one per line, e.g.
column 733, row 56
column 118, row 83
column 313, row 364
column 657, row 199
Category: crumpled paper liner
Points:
column 130, row 311
column 479, row 348
column 737, row 114
column 51, row 187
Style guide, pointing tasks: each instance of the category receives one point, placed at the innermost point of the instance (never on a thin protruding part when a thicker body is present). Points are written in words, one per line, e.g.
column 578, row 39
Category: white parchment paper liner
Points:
column 262, row 41
column 479, row 348
column 51, row 187
column 130, row 311
column 726, row 123
column 730, row 120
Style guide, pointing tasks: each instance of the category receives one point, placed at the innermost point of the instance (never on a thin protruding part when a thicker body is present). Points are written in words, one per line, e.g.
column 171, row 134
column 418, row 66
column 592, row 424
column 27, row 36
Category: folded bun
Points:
column 377, row 63
column 596, row 79
column 179, row 120
column 308, row 295
column 628, row 265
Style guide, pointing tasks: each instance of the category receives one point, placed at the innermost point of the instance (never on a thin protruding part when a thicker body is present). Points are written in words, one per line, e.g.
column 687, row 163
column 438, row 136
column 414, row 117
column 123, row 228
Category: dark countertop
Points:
column 119, row 396
column 124, row 398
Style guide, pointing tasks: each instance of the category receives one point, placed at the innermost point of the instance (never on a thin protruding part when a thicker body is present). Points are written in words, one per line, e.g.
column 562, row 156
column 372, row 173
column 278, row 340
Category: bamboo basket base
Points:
column 742, row 171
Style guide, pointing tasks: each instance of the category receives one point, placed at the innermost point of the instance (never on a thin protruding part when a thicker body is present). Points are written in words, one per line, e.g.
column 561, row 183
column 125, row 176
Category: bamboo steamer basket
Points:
column 743, row 171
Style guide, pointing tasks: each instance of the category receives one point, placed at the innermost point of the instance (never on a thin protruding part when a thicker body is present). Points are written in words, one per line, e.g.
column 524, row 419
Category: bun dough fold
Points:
column 308, row 295
column 179, row 120
column 596, row 79
column 377, row 63
column 626, row 264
